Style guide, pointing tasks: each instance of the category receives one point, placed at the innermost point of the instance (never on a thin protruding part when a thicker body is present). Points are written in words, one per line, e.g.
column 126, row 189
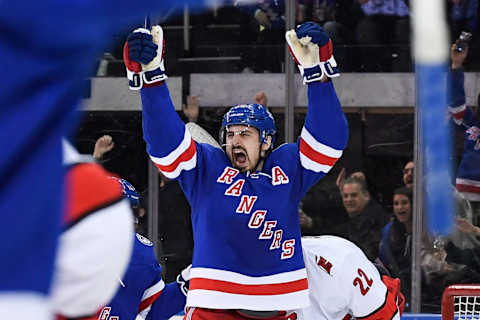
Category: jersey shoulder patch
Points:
column 144, row 240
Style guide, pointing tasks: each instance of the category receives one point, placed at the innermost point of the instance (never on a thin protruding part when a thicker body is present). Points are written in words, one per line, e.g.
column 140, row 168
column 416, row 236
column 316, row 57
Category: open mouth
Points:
column 239, row 157
column 402, row 214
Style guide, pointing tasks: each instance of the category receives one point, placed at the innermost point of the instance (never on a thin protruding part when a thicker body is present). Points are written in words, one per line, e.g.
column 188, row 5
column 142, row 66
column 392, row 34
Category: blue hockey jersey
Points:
column 246, row 226
column 468, row 172
column 142, row 290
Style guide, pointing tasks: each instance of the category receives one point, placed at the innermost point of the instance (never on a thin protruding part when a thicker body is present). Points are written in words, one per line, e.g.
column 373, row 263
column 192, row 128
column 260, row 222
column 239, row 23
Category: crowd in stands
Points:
column 368, row 35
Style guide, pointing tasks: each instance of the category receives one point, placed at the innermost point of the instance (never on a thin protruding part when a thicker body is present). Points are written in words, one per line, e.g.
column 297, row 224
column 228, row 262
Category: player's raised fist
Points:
column 143, row 56
column 312, row 50
column 141, row 47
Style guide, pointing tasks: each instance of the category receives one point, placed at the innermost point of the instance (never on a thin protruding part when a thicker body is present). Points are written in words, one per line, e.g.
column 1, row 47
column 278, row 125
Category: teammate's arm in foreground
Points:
column 96, row 242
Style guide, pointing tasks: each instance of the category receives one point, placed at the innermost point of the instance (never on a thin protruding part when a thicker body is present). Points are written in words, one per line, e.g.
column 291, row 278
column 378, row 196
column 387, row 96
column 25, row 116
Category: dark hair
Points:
column 404, row 191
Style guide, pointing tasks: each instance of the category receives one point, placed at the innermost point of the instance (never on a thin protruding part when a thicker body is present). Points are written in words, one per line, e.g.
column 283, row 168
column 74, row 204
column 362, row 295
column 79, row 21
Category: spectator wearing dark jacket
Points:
column 366, row 216
column 395, row 247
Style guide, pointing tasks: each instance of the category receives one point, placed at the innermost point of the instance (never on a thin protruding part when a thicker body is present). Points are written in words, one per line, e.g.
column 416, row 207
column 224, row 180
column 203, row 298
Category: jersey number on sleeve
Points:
column 360, row 281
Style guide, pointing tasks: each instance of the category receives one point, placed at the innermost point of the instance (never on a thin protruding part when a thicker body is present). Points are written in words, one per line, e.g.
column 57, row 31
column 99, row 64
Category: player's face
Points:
column 408, row 174
column 243, row 147
column 354, row 200
column 402, row 208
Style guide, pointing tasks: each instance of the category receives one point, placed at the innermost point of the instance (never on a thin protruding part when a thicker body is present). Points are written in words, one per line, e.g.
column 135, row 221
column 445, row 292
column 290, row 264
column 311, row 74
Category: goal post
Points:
column 461, row 302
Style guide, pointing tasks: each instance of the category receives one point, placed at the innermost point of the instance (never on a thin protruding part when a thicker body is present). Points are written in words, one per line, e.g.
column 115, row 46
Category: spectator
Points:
column 454, row 259
column 191, row 110
column 106, row 144
column 462, row 244
column 103, row 145
column 341, row 177
column 395, row 246
column 407, row 177
column 366, row 216
column 261, row 98
column 467, row 227
column 439, row 273
column 384, row 34
column 466, row 121
column 395, row 254
column 467, row 254
column 466, row 234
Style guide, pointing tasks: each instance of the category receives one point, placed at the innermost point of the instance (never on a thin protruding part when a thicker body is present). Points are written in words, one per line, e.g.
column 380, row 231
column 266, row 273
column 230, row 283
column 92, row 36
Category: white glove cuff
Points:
column 329, row 68
column 135, row 79
column 186, row 273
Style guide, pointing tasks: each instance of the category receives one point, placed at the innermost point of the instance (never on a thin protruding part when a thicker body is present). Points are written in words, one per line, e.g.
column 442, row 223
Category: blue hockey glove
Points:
column 183, row 280
column 143, row 56
column 312, row 50
column 328, row 64
column 314, row 31
column 141, row 47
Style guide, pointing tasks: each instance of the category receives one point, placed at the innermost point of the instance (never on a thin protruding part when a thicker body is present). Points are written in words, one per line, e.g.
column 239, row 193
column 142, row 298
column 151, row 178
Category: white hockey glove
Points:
column 183, row 280
column 143, row 55
column 312, row 50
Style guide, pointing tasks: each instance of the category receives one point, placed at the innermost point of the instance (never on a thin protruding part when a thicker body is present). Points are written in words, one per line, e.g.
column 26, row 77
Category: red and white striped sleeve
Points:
column 315, row 155
column 458, row 113
column 183, row 157
column 149, row 297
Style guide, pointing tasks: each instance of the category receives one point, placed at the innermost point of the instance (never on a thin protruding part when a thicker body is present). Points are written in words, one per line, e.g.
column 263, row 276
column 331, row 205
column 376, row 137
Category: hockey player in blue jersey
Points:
column 248, row 259
column 465, row 120
column 142, row 291
column 48, row 48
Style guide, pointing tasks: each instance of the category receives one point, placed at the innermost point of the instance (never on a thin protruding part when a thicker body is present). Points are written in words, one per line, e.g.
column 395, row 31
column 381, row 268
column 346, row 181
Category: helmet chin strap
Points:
column 261, row 159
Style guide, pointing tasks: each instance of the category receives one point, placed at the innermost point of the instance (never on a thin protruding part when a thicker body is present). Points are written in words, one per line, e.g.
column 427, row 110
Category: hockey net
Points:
column 461, row 302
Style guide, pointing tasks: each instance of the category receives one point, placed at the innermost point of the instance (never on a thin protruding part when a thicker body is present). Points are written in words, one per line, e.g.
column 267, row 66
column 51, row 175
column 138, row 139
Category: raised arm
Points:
column 325, row 132
column 169, row 144
column 462, row 116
